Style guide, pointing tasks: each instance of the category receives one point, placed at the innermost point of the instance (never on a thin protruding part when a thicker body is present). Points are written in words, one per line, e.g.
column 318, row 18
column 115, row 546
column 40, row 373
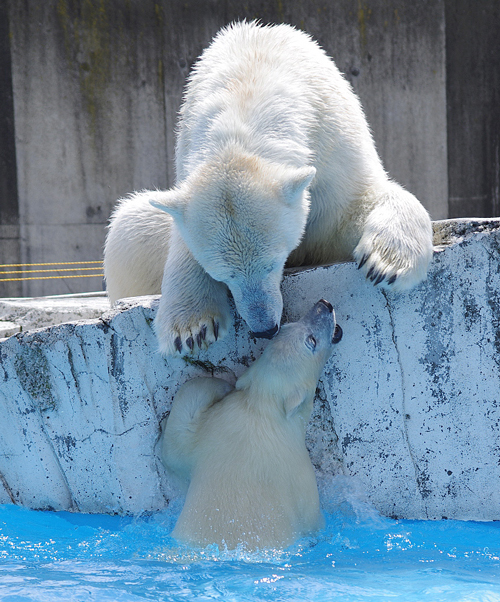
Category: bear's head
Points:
column 241, row 217
column 289, row 368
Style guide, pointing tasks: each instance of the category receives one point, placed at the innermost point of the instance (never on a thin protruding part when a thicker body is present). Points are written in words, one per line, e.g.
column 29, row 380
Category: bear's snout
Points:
column 337, row 334
column 322, row 316
column 267, row 334
column 327, row 303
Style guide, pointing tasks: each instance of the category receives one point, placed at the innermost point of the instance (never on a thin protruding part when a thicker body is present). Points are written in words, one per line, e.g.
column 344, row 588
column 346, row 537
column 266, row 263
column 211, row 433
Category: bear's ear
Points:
column 296, row 182
column 294, row 401
column 171, row 201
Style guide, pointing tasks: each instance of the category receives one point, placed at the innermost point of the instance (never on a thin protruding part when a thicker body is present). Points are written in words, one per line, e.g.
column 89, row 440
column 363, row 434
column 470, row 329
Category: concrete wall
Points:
column 408, row 404
column 90, row 90
column 473, row 101
column 10, row 241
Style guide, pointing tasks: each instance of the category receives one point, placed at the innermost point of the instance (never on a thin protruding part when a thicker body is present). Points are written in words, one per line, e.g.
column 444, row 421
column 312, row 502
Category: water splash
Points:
column 359, row 556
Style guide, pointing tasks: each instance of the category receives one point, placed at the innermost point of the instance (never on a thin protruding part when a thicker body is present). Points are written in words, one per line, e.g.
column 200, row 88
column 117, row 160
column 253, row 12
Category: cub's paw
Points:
column 393, row 253
column 190, row 329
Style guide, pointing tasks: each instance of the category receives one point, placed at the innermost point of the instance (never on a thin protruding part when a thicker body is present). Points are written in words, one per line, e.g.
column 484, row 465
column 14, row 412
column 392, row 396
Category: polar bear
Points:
column 241, row 453
column 275, row 165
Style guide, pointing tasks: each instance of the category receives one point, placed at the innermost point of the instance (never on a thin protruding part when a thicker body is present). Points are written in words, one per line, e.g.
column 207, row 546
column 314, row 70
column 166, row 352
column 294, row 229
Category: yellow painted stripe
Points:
column 52, row 277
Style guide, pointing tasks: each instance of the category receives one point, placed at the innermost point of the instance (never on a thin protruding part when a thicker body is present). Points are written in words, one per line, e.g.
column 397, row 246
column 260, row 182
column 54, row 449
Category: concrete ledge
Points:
column 409, row 403
column 26, row 313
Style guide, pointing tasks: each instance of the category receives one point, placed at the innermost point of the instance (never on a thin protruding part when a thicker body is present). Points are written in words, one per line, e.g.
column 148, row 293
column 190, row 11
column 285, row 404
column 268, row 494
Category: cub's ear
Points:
column 294, row 401
column 296, row 182
column 171, row 201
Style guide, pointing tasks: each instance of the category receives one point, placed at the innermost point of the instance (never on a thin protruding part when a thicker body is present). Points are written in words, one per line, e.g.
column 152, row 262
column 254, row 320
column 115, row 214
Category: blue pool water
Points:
column 360, row 556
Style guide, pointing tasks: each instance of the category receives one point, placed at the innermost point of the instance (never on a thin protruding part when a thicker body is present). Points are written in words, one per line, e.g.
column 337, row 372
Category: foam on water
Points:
column 359, row 556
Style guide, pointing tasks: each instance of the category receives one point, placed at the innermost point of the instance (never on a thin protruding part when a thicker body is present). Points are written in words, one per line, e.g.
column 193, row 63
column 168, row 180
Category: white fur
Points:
column 242, row 453
column 275, row 163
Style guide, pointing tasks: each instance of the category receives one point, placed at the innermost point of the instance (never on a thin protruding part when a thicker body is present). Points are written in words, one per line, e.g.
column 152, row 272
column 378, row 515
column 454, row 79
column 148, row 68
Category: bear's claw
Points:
column 192, row 326
column 362, row 262
column 193, row 339
column 201, row 336
column 374, row 275
column 178, row 344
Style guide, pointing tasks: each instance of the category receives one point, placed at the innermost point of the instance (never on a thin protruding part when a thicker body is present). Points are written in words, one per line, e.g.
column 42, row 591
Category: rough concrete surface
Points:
column 408, row 404
column 26, row 313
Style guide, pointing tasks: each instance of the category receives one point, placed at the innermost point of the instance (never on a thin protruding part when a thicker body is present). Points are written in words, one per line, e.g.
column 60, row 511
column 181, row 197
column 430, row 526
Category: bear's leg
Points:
column 194, row 308
column 136, row 247
column 179, row 430
column 395, row 248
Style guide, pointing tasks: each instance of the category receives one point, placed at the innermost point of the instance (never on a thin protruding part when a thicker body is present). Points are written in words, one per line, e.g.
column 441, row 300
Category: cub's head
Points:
column 289, row 369
column 241, row 217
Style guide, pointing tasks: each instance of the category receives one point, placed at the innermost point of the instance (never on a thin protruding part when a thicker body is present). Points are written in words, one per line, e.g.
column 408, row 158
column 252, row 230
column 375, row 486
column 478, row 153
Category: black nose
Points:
column 267, row 334
column 327, row 303
column 337, row 334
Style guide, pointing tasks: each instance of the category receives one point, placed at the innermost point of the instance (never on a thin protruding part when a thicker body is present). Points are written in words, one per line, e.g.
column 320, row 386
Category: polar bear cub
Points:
column 275, row 164
column 241, row 453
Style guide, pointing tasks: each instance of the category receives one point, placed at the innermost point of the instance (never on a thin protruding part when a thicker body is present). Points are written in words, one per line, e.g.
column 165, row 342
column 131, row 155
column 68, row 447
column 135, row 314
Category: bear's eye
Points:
column 311, row 342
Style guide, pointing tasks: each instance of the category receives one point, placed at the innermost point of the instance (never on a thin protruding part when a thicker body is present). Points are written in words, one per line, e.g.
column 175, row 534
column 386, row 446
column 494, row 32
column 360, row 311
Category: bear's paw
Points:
column 184, row 329
column 395, row 248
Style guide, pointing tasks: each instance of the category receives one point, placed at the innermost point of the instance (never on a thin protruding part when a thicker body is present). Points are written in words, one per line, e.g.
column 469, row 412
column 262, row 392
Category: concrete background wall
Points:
column 90, row 90
column 10, row 241
column 473, row 101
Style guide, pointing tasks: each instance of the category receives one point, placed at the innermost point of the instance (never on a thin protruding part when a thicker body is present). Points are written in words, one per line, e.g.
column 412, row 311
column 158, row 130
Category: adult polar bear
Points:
column 241, row 453
column 275, row 163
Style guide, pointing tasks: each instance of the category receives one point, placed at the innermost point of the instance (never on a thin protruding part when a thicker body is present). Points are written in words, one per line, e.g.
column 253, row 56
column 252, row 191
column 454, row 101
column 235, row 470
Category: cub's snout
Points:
column 321, row 318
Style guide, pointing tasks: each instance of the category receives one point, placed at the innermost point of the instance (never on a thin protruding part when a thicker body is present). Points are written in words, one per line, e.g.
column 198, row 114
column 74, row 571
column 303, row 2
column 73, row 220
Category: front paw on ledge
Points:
column 177, row 339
